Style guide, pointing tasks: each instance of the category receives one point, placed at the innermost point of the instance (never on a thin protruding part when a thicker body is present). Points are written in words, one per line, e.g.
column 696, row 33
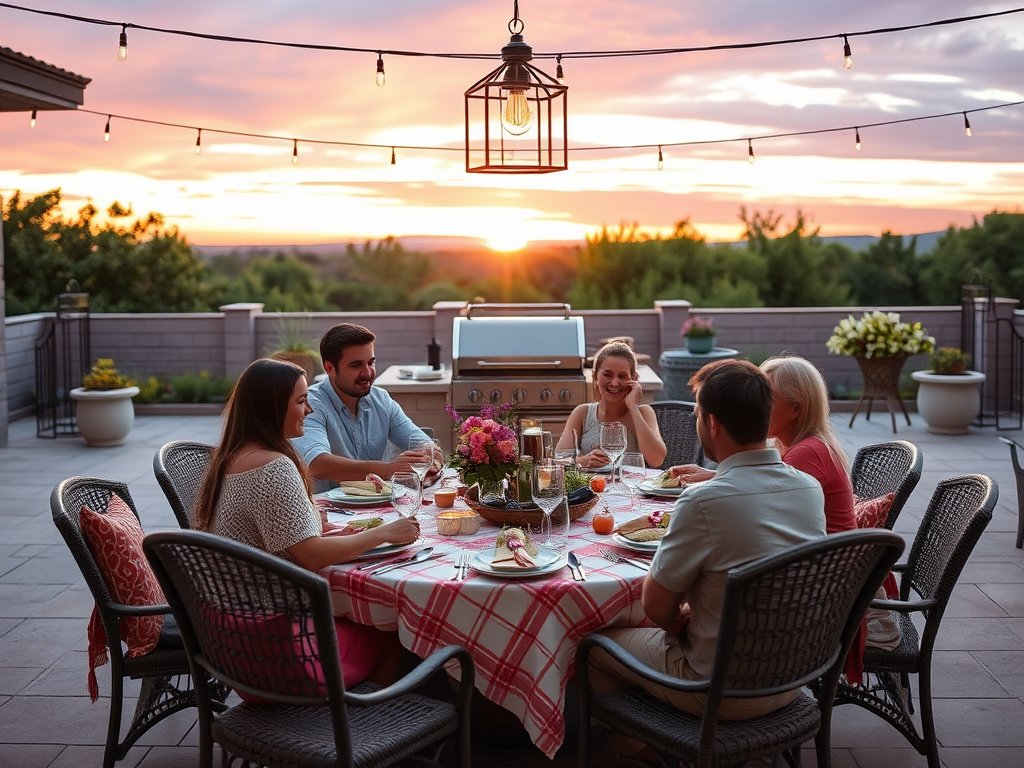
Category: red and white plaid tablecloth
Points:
column 522, row 633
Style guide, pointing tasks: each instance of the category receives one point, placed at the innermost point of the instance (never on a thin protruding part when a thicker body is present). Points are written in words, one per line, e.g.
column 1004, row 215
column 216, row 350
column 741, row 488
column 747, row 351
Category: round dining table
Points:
column 521, row 630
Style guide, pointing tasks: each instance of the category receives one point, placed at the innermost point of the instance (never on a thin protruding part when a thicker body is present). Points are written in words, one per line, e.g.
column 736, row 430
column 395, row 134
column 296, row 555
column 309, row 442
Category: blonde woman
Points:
column 801, row 428
column 618, row 399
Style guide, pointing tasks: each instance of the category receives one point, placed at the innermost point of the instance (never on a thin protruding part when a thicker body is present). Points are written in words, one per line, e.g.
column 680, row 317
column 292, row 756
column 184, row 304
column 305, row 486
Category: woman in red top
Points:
column 804, row 436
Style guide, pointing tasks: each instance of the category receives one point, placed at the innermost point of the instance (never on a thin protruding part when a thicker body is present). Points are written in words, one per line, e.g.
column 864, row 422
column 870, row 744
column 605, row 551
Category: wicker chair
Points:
column 678, row 427
column 179, row 468
column 893, row 467
column 957, row 515
column 788, row 619
column 1019, row 474
column 266, row 628
column 166, row 684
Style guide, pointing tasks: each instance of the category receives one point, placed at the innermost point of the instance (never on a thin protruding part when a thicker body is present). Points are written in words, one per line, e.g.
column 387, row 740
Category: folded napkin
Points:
column 514, row 550
column 647, row 528
column 665, row 480
column 365, row 488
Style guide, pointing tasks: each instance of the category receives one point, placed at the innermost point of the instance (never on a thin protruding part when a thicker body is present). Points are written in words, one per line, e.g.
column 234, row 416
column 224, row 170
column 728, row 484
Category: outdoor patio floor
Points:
column 46, row 718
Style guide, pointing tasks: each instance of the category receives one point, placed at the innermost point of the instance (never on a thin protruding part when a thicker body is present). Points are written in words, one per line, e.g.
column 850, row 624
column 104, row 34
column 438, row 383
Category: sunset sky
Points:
column 916, row 177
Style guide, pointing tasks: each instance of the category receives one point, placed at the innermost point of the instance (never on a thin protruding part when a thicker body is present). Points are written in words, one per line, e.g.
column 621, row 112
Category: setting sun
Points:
column 507, row 242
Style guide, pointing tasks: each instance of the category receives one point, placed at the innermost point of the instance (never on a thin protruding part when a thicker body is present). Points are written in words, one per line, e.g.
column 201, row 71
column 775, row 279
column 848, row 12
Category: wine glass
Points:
column 406, row 493
column 613, row 442
column 424, row 458
column 547, row 487
column 632, row 471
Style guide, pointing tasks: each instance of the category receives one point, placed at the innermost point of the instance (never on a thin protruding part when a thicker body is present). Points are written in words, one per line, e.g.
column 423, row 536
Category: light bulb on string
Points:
column 122, row 44
column 559, row 74
column 199, row 140
column 32, row 120
column 661, row 159
column 392, row 155
column 857, row 138
column 106, row 131
column 847, row 54
column 750, row 151
column 380, row 70
column 295, row 151
column 516, row 117
column 967, row 126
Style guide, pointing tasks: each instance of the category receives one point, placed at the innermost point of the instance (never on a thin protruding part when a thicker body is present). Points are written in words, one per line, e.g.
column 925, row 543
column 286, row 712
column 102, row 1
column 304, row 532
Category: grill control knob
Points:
column 495, row 396
column 518, row 396
column 545, row 395
column 565, row 396
column 475, row 395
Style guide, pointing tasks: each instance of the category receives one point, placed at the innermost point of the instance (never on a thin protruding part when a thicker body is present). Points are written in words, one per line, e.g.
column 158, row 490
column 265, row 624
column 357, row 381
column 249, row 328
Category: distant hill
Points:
column 456, row 246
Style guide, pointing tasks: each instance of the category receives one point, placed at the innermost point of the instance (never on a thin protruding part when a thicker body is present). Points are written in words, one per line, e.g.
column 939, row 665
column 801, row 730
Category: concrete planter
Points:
column 948, row 403
column 105, row 416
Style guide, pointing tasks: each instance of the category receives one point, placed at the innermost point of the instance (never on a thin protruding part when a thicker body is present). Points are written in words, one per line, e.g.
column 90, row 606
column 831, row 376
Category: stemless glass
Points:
column 547, row 487
column 613, row 442
column 406, row 493
column 632, row 471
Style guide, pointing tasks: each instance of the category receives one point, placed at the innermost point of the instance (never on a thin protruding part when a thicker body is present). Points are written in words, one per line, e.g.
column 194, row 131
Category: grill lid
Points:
column 518, row 343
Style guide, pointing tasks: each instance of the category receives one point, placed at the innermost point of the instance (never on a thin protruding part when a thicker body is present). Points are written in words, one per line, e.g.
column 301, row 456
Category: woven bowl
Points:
column 530, row 517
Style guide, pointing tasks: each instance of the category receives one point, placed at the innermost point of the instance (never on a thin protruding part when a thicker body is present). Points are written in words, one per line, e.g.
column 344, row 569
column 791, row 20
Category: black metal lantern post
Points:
column 516, row 117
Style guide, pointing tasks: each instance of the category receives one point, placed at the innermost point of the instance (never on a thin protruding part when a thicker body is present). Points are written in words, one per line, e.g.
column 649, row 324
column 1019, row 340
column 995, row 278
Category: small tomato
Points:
column 597, row 484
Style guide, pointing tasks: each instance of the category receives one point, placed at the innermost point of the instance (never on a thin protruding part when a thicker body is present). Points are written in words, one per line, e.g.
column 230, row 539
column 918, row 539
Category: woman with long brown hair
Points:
column 258, row 491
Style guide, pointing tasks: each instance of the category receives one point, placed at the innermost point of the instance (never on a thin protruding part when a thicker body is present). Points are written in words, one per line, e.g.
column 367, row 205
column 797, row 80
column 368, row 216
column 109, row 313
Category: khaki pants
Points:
column 662, row 652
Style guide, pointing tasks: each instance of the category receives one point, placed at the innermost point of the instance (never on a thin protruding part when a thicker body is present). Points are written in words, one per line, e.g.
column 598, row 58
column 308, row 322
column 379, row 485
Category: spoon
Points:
column 423, row 554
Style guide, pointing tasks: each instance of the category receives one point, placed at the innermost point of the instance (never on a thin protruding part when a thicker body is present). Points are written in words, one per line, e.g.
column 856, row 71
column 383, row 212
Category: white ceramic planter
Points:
column 948, row 403
column 105, row 416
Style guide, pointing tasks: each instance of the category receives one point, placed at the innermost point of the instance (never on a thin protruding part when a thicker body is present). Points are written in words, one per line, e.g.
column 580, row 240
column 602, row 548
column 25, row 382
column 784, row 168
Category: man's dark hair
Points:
column 339, row 338
column 738, row 394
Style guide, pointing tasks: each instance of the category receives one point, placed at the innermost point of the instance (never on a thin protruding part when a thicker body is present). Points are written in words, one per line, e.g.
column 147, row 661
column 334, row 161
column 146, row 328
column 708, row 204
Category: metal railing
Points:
column 62, row 357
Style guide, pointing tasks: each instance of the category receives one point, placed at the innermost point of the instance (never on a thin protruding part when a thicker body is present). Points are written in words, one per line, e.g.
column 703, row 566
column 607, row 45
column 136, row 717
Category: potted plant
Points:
column 948, row 398
column 880, row 342
column 699, row 335
column 294, row 345
column 104, row 410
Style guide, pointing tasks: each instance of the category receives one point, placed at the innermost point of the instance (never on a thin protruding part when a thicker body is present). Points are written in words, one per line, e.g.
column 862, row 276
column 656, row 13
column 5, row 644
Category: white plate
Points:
column 421, row 373
column 548, row 560
column 648, row 487
column 381, row 550
column 337, row 494
column 637, row 546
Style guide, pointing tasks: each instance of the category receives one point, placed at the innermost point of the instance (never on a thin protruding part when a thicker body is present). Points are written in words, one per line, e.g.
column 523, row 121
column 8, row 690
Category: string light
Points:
column 847, row 54
column 392, row 155
column 106, row 131
column 199, row 140
column 967, row 126
column 295, row 151
column 559, row 74
column 857, row 139
column 122, row 45
column 750, row 151
column 380, row 70
column 661, row 159
column 32, row 120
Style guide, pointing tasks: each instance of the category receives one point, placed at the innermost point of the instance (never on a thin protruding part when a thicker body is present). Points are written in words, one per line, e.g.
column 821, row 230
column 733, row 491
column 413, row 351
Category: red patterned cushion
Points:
column 115, row 539
column 872, row 513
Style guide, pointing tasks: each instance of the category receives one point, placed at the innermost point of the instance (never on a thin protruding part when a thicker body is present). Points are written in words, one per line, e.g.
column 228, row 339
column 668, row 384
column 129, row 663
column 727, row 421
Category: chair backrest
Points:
column 958, row 513
column 893, row 467
column 66, row 502
column 678, row 426
column 179, row 468
column 790, row 618
column 1018, row 471
column 254, row 622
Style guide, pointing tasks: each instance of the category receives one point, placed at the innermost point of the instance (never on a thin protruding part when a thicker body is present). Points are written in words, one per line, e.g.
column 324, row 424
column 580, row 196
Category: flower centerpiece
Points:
column 699, row 335
column 487, row 449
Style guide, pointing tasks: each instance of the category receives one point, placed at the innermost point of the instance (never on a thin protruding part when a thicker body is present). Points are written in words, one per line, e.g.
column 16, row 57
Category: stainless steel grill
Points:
column 531, row 355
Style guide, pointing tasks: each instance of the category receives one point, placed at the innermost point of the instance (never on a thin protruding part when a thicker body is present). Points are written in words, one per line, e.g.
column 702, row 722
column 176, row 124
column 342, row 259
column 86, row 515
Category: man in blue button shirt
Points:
column 347, row 435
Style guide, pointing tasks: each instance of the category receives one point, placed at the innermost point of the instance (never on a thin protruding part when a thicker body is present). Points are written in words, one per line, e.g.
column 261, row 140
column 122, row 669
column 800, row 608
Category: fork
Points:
column 464, row 562
column 615, row 557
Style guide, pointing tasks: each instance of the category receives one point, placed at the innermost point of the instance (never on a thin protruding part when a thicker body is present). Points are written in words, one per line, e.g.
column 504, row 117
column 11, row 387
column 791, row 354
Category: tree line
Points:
column 130, row 264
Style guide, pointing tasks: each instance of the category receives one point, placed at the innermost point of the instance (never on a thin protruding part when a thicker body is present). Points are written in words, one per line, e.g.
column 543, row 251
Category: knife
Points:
column 378, row 563
column 637, row 563
column 421, row 556
column 574, row 563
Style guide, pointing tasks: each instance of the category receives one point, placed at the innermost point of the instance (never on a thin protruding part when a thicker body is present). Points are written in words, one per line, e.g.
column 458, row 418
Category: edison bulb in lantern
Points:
column 516, row 117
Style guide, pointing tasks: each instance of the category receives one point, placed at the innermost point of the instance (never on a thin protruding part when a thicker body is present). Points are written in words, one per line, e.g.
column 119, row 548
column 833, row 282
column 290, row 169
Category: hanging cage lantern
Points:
column 516, row 118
